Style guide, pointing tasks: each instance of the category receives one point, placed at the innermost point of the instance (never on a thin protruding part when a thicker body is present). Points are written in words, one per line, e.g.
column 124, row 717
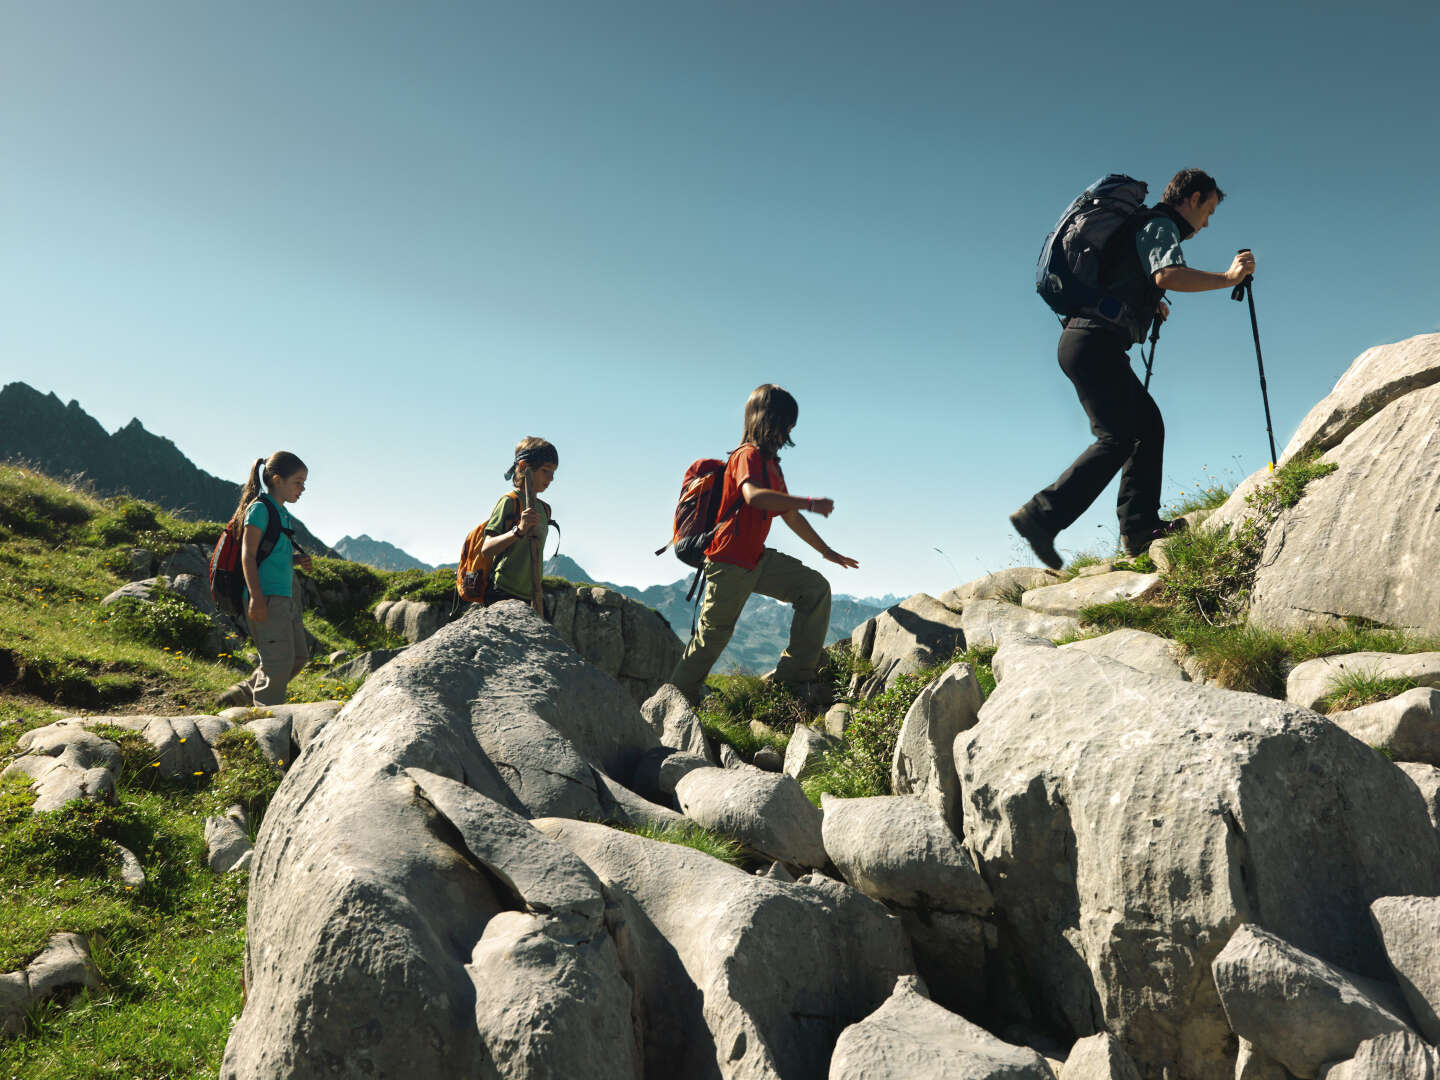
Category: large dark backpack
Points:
column 227, row 576
column 1072, row 270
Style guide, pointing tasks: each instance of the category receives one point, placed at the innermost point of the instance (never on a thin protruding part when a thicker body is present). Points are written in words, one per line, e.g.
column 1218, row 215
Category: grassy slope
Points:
column 170, row 958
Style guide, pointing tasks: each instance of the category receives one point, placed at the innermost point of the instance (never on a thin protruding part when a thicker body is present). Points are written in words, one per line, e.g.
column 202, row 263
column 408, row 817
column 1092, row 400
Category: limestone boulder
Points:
column 1099, row 1057
column 64, row 964
column 1294, row 1007
column 1426, row 779
column 372, row 883
column 1252, row 1063
column 227, row 841
column 767, row 812
column 1377, row 377
column 1406, row 727
column 63, row 762
column 364, row 665
column 1007, row 584
column 675, row 724
column 704, row 942
column 1361, row 541
column 1127, row 823
column 1071, row 597
column 993, row 622
column 1137, row 649
column 805, row 749
column 652, row 648
column 911, row 1038
column 924, row 761
column 1310, row 682
column 837, row 719
column 1388, row 1057
column 912, row 635
column 1410, row 929
column 660, row 769
column 272, row 737
column 414, row 620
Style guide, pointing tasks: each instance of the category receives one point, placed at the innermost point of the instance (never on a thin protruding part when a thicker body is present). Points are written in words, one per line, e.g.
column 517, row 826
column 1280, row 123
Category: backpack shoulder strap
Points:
column 273, row 529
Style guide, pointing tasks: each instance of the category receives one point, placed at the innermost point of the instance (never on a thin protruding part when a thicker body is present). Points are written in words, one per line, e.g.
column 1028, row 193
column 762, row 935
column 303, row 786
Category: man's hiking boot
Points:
column 1139, row 545
column 1041, row 540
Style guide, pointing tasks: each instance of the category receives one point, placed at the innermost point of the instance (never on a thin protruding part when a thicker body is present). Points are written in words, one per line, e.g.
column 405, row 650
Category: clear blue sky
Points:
column 397, row 237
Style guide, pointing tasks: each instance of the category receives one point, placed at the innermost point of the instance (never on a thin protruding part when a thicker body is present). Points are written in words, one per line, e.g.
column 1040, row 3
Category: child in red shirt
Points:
column 737, row 562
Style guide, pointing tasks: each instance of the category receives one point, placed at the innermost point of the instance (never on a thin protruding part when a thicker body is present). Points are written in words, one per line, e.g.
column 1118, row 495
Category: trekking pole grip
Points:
column 1238, row 292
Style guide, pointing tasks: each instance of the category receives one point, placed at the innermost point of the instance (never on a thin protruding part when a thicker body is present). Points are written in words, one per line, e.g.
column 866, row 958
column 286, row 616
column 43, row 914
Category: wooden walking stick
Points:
column 537, row 592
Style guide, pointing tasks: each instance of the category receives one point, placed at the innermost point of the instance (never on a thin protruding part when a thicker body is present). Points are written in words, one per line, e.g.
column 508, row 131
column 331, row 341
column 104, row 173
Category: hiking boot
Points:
column 1139, row 544
column 1040, row 539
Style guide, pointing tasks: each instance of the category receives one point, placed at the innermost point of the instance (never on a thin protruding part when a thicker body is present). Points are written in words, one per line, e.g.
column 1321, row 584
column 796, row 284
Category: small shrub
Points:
column 1208, row 496
column 78, row 839
column 122, row 521
column 165, row 620
column 245, row 777
column 739, row 699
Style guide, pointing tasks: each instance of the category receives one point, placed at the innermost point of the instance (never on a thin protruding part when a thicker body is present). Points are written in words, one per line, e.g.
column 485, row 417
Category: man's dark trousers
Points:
column 1129, row 437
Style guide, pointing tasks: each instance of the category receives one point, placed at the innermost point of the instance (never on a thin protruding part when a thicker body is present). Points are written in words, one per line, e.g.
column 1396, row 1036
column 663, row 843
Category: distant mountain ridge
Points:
column 762, row 632
column 66, row 441
column 378, row 553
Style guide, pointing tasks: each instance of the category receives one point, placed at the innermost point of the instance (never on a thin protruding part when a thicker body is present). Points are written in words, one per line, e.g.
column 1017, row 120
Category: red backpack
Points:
column 697, row 514
column 227, row 577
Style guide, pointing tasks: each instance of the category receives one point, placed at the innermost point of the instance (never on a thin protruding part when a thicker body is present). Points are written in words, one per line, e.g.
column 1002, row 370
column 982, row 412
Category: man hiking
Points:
column 1140, row 262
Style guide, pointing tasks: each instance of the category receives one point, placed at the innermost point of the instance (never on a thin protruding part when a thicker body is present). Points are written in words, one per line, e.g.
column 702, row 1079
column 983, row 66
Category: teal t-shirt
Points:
column 276, row 572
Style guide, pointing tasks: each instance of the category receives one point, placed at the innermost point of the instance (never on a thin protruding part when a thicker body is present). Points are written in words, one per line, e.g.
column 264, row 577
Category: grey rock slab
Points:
column 768, row 759
column 1294, row 1007
column 307, row 720
column 914, row 634
column 1068, row 598
column 1406, row 727
column 599, row 634
column 898, row 848
column 862, row 639
column 805, row 749
column 950, row 949
column 924, row 761
column 1120, row 817
column 1426, row 779
column 1396, row 1056
column 227, row 841
column 660, row 769
column 911, row 1038
column 729, row 759
column 675, row 723
column 1309, row 682
column 1410, row 929
column 1006, row 584
column 767, row 812
column 652, row 648
column 1252, row 1063
column 190, row 559
column 364, row 665
column 993, row 622
column 1378, row 376
column 64, row 762
column 64, row 964
column 703, row 943
column 548, row 1004
column 365, row 902
column 180, row 747
column 622, row 806
column 837, row 719
column 15, row 1003
column 272, row 736
column 132, row 874
column 1360, row 542
column 1099, row 1057
column 413, row 620
column 1135, row 648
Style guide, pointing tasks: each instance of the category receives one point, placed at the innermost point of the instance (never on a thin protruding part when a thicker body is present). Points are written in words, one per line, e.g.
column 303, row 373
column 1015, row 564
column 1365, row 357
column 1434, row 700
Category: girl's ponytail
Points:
column 249, row 493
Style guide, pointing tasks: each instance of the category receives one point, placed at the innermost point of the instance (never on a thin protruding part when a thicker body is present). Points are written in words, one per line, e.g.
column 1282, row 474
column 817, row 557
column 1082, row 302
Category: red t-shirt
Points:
column 740, row 539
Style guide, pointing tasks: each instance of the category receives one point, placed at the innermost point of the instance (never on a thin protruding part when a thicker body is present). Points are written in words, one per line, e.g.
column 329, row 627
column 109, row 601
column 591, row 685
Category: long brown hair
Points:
column 279, row 466
column 770, row 413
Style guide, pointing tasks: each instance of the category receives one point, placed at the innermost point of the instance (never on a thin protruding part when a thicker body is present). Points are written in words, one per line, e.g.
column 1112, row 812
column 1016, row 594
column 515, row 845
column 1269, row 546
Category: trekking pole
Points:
column 1246, row 291
column 537, row 591
column 1154, row 340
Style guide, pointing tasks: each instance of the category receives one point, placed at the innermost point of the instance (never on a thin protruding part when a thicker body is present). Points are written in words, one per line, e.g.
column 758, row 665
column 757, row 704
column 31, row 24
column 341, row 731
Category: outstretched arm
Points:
column 803, row 529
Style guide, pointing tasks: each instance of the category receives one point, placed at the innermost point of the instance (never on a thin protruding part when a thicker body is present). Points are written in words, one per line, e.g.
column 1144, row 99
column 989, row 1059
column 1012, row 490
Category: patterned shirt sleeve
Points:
column 1158, row 243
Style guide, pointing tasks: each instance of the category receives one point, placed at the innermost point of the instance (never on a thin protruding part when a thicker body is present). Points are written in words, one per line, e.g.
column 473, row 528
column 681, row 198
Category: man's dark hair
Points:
column 1189, row 182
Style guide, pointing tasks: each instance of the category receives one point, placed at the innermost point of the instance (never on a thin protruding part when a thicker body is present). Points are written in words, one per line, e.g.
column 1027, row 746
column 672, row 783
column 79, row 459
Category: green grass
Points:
column 1356, row 688
column 717, row 845
column 737, row 700
column 425, row 586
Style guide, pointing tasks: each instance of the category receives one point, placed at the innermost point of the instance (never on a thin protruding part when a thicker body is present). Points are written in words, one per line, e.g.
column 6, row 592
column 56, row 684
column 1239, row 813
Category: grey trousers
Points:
column 283, row 650
column 727, row 587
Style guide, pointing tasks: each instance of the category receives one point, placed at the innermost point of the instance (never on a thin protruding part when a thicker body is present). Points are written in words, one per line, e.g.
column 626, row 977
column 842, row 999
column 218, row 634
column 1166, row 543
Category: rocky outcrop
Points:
column 994, row 622
column 768, row 812
column 1120, row 817
column 1405, row 727
column 905, row 639
column 1309, row 683
column 1410, row 929
column 1136, row 649
column 924, row 763
column 1070, row 597
column 64, row 964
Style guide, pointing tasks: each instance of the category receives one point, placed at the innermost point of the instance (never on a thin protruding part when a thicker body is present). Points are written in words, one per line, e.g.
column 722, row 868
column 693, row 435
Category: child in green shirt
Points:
column 510, row 526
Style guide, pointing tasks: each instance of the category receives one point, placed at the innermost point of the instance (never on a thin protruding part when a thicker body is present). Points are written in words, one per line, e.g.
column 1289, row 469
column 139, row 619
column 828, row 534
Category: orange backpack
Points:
column 472, row 576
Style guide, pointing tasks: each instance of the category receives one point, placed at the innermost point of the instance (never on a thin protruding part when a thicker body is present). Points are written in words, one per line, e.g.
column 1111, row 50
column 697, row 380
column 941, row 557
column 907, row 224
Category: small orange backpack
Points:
column 472, row 576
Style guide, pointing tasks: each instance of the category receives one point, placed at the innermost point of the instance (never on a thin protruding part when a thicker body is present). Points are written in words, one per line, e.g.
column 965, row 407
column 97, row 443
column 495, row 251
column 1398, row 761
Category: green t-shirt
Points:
column 276, row 572
column 512, row 569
